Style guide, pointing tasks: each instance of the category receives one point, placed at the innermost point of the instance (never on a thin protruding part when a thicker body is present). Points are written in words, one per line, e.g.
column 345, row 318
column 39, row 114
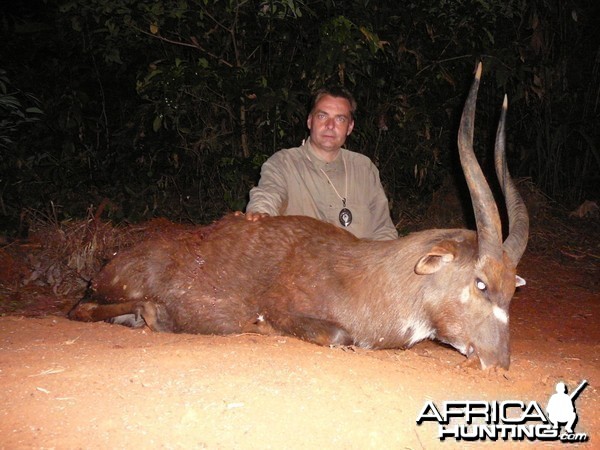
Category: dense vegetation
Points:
column 170, row 107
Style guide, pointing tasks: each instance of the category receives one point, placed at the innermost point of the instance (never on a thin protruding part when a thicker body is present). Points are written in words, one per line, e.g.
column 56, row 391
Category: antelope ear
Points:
column 439, row 255
column 519, row 281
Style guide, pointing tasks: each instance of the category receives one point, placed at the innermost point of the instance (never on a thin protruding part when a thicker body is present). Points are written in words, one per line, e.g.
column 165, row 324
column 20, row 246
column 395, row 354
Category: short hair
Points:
column 337, row 92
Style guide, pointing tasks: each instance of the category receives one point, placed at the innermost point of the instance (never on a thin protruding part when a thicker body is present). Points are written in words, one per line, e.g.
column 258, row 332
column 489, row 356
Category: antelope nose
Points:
column 492, row 359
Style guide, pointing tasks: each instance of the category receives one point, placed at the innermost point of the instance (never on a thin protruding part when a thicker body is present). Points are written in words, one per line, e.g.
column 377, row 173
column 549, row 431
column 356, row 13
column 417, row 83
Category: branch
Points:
column 193, row 44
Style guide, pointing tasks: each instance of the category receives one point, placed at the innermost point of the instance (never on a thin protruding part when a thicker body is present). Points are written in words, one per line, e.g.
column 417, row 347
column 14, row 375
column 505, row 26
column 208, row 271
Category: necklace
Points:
column 345, row 216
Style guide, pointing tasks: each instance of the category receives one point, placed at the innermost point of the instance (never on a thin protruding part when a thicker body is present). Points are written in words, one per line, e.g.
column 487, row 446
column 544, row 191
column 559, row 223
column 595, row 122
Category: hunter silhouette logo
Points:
column 561, row 407
column 474, row 420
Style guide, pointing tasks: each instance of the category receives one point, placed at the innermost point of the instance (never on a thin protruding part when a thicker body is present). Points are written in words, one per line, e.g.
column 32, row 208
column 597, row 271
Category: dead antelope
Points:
column 301, row 277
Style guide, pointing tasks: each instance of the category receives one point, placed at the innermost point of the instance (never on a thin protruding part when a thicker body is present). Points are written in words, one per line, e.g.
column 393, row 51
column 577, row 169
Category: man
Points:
column 323, row 180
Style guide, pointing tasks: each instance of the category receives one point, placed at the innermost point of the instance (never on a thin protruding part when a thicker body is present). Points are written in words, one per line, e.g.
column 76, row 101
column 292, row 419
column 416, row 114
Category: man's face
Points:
column 330, row 122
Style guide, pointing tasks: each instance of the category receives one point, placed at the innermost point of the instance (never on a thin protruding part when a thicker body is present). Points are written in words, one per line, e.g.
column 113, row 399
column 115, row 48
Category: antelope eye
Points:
column 480, row 285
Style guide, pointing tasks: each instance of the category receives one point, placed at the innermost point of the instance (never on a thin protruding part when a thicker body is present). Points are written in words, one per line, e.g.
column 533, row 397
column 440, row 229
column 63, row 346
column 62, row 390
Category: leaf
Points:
column 373, row 39
column 157, row 123
column 34, row 110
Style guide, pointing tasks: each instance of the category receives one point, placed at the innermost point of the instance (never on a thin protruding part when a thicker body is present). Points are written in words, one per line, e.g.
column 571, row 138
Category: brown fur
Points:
column 304, row 277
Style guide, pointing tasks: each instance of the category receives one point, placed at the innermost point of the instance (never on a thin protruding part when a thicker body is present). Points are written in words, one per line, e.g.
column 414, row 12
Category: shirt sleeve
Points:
column 270, row 196
column 383, row 227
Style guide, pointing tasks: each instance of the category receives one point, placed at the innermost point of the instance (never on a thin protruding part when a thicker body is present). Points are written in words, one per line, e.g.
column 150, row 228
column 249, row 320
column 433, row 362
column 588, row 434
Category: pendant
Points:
column 345, row 217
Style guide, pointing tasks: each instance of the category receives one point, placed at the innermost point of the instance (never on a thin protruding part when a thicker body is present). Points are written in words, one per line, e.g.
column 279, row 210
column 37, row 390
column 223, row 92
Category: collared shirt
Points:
column 293, row 182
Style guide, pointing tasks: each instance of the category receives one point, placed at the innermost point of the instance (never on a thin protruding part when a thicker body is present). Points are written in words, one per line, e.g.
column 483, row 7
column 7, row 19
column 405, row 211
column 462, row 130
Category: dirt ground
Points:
column 68, row 385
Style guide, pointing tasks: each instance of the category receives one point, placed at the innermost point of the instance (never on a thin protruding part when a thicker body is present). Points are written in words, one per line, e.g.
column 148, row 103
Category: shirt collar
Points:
column 316, row 159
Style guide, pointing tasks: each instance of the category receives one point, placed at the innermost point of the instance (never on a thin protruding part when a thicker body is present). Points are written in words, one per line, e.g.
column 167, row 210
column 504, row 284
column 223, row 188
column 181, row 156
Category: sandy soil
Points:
column 71, row 385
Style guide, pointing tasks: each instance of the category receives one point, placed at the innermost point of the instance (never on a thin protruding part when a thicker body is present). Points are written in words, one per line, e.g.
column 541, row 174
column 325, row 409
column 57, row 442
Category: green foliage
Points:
column 170, row 107
column 14, row 114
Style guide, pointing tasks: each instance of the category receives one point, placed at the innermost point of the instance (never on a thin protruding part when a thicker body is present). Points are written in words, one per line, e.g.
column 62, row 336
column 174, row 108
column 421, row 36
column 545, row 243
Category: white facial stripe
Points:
column 500, row 314
column 464, row 295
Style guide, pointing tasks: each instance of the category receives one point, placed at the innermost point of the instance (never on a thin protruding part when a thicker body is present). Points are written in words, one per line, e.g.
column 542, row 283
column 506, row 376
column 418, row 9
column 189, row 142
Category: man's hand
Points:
column 252, row 216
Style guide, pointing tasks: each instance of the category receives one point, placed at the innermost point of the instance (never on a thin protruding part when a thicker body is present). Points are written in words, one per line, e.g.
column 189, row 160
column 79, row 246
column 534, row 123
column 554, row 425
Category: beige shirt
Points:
column 292, row 183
